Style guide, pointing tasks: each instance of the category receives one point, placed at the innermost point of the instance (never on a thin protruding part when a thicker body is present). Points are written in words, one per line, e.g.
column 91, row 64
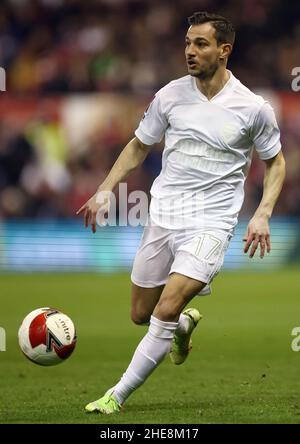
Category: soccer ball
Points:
column 47, row 336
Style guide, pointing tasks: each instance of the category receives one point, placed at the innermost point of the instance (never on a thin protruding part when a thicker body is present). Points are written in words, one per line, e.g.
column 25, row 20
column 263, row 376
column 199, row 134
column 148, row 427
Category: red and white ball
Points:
column 47, row 336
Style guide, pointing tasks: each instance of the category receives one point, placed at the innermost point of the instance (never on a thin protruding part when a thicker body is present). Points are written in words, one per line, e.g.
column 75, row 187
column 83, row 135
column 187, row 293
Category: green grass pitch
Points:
column 241, row 370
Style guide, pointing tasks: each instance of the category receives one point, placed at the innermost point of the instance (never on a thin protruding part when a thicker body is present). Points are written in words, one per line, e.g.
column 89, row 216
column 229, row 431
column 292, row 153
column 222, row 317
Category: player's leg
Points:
column 143, row 302
column 178, row 292
column 199, row 255
column 155, row 345
column 150, row 272
column 197, row 260
column 171, row 306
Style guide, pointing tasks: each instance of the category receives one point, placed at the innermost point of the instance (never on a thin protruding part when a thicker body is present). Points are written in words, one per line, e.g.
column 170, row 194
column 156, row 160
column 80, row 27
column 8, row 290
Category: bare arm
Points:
column 258, row 231
column 132, row 156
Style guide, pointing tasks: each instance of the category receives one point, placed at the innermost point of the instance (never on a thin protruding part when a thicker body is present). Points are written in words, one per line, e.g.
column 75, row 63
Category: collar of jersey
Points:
column 226, row 88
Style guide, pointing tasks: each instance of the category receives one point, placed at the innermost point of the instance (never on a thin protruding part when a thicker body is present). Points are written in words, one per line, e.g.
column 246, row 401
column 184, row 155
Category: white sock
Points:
column 149, row 353
column 183, row 324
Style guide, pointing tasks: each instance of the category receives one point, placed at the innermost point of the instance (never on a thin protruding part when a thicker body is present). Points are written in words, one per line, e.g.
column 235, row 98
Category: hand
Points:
column 95, row 209
column 258, row 232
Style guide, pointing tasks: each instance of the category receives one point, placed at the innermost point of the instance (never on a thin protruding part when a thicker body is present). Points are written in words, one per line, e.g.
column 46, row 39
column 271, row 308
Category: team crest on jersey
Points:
column 229, row 132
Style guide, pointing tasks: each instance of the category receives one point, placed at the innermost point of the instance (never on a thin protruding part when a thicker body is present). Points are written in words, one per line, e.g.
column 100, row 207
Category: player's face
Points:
column 202, row 51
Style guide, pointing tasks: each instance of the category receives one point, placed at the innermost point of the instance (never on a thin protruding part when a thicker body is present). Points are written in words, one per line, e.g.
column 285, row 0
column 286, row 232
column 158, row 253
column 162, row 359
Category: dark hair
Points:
column 225, row 32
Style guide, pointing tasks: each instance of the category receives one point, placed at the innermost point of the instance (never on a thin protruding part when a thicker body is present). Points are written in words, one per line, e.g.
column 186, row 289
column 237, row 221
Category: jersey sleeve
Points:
column 154, row 123
column 265, row 133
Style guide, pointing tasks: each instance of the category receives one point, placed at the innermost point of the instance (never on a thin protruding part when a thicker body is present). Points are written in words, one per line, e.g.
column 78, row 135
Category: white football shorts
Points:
column 196, row 253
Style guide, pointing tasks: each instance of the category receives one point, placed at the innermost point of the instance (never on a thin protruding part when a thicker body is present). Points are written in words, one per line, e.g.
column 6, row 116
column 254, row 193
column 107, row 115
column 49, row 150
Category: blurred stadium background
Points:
column 79, row 75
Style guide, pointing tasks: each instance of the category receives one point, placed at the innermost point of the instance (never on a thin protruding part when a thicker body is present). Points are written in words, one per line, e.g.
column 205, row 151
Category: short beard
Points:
column 207, row 74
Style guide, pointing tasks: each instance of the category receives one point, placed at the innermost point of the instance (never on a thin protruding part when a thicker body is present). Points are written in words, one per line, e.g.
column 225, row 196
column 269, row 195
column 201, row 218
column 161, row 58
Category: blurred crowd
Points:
column 50, row 46
column 54, row 48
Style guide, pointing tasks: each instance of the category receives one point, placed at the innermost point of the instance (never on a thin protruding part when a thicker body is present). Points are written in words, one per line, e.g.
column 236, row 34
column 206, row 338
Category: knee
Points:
column 139, row 318
column 168, row 310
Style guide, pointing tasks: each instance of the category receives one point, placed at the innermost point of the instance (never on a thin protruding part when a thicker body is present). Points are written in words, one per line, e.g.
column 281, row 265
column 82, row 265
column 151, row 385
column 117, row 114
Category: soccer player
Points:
column 210, row 122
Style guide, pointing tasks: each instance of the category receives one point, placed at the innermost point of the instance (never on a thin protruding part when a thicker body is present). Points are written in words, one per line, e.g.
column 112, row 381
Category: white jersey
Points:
column 208, row 150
